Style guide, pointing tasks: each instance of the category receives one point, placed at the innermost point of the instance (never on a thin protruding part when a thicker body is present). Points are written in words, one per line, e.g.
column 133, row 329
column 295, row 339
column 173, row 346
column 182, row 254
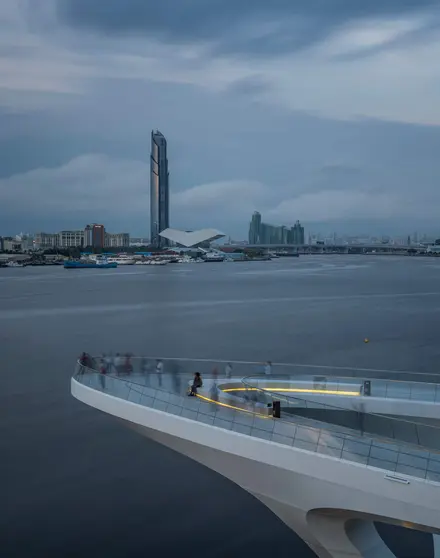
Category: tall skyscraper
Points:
column 159, row 189
column 254, row 228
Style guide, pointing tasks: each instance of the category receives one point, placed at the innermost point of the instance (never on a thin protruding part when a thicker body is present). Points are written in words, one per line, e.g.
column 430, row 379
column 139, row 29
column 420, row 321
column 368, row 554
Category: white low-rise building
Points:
column 117, row 240
column 44, row 241
column 71, row 239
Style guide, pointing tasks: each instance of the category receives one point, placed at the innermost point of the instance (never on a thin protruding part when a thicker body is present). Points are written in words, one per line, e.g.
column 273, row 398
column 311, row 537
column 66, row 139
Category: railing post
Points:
column 276, row 409
column 367, row 388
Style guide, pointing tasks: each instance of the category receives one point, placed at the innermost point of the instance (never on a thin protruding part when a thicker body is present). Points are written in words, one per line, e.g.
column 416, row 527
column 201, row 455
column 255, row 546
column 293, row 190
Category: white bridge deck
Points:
column 408, row 455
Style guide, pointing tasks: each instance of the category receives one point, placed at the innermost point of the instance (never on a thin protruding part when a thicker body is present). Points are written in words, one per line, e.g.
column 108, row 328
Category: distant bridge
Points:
column 340, row 248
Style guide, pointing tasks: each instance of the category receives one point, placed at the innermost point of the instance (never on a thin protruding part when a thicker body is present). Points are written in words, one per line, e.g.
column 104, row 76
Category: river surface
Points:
column 76, row 483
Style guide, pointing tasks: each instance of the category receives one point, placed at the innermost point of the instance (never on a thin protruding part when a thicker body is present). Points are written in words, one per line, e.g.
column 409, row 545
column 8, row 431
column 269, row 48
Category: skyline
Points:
column 321, row 112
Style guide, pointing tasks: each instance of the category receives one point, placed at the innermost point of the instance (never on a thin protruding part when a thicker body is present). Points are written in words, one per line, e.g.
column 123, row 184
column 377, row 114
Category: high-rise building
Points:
column 159, row 189
column 254, row 228
column 297, row 234
column 94, row 236
column 263, row 233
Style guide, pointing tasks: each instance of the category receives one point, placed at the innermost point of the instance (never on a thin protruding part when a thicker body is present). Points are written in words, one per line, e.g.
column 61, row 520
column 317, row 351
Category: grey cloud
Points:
column 288, row 25
column 422, row 34
column 221, row 142
column 254, row 85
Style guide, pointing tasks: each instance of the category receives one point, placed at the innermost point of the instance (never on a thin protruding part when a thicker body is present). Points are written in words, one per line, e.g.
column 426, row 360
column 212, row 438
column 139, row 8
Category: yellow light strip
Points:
column 229, row 406
column 296, row 390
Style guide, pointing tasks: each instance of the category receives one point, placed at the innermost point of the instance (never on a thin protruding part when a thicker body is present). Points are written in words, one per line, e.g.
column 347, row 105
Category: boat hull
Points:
column 79, row 265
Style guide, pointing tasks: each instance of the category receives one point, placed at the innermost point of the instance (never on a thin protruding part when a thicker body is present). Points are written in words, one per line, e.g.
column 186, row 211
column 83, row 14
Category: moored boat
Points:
column 214, row 257
column 122, row 259
column 89, row 264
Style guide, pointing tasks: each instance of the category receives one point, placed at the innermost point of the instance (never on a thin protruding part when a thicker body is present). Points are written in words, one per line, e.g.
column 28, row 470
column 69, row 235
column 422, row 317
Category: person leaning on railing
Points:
column 86, row 361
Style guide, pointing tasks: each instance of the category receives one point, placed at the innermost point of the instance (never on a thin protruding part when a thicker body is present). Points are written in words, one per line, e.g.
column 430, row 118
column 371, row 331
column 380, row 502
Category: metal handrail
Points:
column 294, row 366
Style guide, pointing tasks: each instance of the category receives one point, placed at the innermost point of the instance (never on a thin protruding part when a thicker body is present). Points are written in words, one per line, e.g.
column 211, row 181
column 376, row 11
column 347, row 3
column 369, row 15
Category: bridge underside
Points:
column 329, row 532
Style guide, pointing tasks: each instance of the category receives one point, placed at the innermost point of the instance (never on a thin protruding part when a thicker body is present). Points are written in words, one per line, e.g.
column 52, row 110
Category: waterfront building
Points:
column 139, row 241
column 117, row 240
column 71, row 239
column 45, row 241
column 255, row 228
column 263, row 233
column 297, row 234
column 94, row 236
column 10, row 244
column 159, row 189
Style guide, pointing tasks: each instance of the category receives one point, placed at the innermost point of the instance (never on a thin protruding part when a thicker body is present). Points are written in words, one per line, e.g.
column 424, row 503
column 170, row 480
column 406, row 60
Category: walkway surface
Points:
column 167, row 392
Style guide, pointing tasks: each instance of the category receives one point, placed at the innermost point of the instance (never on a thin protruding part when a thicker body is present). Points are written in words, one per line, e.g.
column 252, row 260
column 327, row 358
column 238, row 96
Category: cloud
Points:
column 317, row 57
column 339, row 205
column 244, row 26
column 237, row 197
column 97, row 188
column 93, row 186
column 286, row 107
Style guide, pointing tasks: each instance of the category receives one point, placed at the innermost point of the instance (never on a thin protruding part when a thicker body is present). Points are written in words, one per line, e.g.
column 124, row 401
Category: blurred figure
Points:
column 159, row 371
column 87, row 361
column 268, row 368
column 118, row 363
column 127, row 365
column 102, row 372
column 228, row 370
column 82, row 363
column 197, row 384
column 109, row 363
column 146, row 368
column 177, row 384
column 214, row 391
column 143, row 365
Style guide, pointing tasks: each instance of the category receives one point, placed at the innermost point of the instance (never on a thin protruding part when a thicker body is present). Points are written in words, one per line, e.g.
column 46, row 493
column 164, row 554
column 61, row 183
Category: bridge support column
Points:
column 436, row 542
column 331, row 534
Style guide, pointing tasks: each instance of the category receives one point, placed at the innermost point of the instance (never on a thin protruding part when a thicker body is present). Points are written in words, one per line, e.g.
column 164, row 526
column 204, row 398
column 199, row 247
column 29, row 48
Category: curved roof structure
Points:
column 189, row 239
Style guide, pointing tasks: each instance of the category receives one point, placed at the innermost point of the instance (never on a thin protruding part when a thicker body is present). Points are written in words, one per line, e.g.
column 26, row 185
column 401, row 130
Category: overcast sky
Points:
column 327, row 111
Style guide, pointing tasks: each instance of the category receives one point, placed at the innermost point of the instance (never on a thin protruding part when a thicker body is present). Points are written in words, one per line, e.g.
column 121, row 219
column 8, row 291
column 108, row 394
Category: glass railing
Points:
column 243, row 368
column 341, row 385
column 393, row 450
column 343, row 381
column 320, row 401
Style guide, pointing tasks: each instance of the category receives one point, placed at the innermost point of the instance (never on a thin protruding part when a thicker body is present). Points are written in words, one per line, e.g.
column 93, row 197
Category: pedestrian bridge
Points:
column 345, row 452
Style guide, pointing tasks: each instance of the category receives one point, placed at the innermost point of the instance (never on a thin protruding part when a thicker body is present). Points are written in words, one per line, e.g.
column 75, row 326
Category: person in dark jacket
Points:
column 197, row 383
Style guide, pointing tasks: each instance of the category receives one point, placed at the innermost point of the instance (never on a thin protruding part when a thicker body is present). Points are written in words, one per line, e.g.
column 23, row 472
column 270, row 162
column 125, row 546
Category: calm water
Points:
column 78, row 483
